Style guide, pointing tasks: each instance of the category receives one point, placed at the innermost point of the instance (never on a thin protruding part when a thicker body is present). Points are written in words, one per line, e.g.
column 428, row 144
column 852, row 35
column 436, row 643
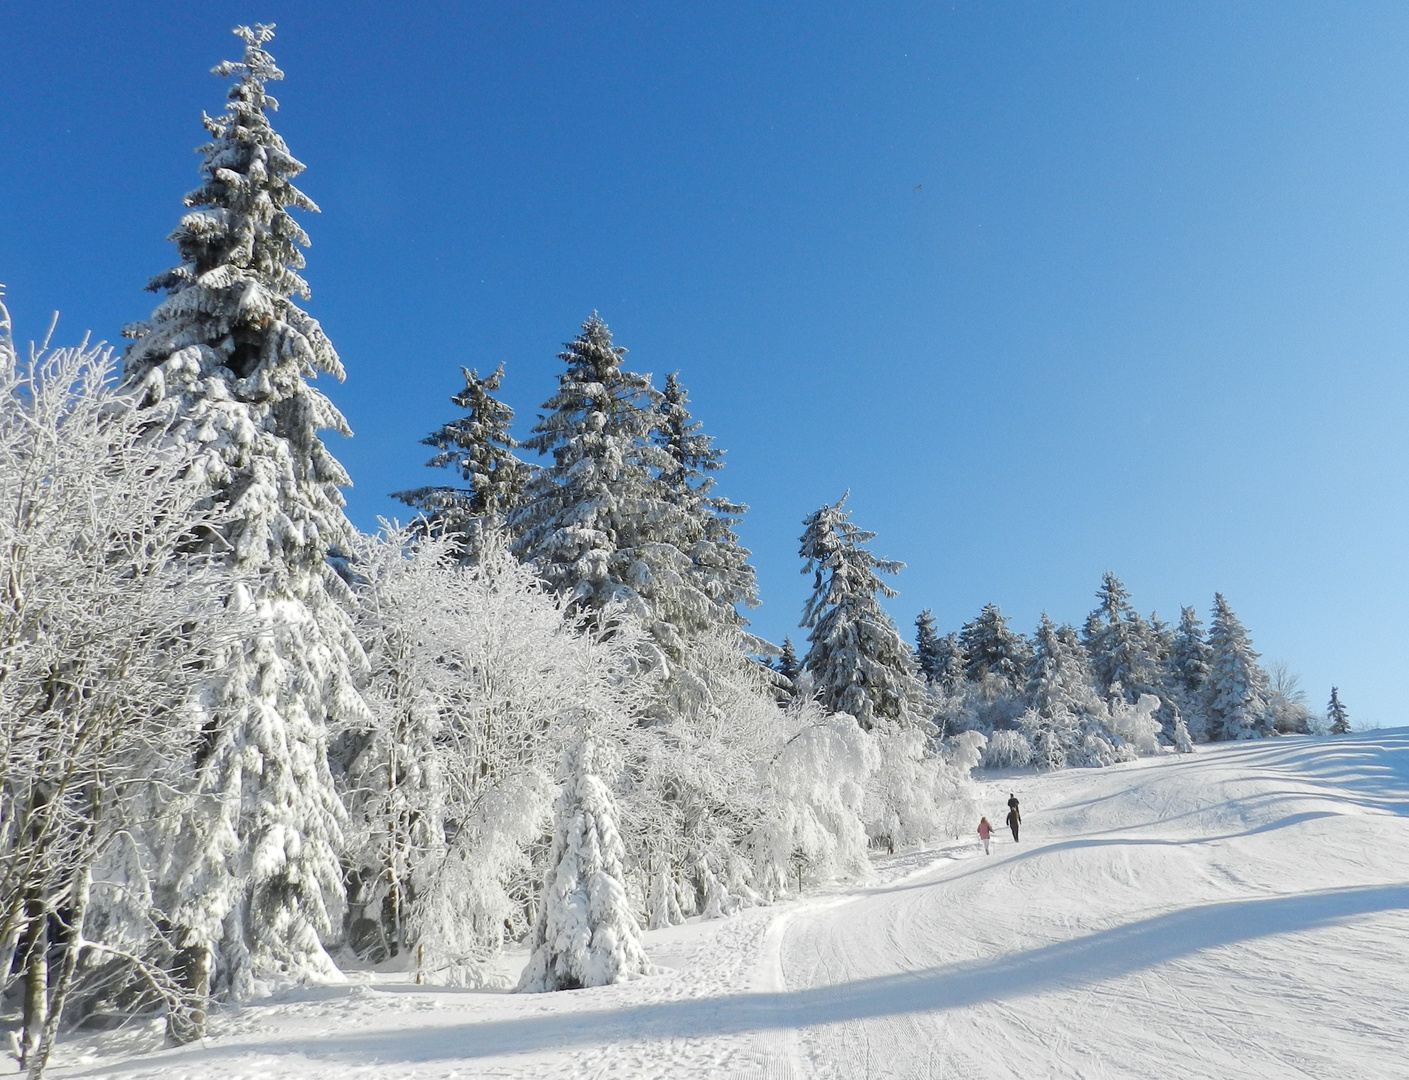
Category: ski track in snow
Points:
column 1240, row 912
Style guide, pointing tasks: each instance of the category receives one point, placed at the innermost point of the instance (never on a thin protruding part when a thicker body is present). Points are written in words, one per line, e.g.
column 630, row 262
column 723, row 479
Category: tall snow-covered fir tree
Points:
column 1337, row 718
column 1189, row 656
column 857, row 659
column 252, row 880
column 993, row 650
column 719, row 563
column 1120, row 643
column 1059, row 674
column 480, row 448
column 950, row 662
column 1060, row 694
column 788, row 664
column 598, row 523
column 927, row 658
column 1187, row 671
column 1237, row 685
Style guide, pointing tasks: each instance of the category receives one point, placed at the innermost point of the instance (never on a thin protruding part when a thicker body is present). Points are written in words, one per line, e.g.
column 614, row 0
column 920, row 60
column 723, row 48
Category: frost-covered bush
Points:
column 1183, row 742
column 918, row 791
column 1007, row 750
column 479, row 681
column 1137, row 726
column 814, row 789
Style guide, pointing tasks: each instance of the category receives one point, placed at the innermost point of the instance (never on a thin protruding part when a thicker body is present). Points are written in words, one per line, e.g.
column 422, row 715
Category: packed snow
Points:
column 1239, row 911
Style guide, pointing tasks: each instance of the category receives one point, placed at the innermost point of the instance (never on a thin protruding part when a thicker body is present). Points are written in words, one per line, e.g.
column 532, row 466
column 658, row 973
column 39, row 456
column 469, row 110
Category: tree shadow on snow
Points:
column 1109, row 954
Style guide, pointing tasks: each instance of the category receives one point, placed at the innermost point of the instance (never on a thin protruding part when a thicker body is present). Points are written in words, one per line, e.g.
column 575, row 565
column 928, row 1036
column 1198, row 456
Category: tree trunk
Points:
column 185, row 1021
column 36, row 979
column 73, row 946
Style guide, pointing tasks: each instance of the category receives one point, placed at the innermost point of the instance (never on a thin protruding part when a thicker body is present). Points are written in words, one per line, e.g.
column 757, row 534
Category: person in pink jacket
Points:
column 985, row 830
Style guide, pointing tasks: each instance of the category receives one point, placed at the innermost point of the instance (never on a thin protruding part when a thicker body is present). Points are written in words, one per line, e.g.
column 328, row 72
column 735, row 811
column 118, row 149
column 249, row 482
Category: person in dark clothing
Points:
column 1014, row 817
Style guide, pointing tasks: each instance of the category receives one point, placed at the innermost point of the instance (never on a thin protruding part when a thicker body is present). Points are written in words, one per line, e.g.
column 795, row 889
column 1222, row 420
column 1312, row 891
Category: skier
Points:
column 985, row 830
column 1014, row 817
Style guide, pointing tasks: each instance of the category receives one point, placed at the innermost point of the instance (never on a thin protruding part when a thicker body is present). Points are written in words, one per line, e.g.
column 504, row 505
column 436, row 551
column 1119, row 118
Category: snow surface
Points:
column 1238, row 912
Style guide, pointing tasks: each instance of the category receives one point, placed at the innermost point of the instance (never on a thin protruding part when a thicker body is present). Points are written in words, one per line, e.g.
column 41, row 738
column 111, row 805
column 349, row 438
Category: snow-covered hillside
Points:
column 1239, row 912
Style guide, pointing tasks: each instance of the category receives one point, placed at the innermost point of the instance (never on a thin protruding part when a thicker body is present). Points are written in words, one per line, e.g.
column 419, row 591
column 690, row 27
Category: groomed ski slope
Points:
column 1241, row 912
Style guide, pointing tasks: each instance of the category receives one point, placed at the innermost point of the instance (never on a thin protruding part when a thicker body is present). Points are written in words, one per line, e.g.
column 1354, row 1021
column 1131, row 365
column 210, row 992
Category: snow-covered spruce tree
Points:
column 478, row 679
column 1063, row 708
column 950, row 661
column 719, row 563
column 993, row 651
column 1188, row 671
column 480, row 447
column 788, row 664
column 598, row 523
column 1337, row 718
column 1237, row 685
column 251, row 878
column 859, row 662
column 927, row 648
column 1121, row 644
column 586, row 933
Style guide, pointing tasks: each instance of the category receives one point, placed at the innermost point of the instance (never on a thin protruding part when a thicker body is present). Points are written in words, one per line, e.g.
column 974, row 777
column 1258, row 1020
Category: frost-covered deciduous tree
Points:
column 814, row 791
column 859, row 662
column 1286, row 700
column 1337, row 716
column 480, row 447
column 108, row 625
column 691, row 792
column 479, row 680
column 586, row 933
column 1237, row 685
column 252, row 877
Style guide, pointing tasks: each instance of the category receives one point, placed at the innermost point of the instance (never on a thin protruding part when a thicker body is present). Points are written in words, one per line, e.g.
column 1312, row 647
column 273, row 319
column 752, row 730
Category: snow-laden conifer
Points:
column 586, row 933
column 597, row 523
column 993, row 651
column 788, row 664
column 1058, row 674
column 253, row 872
column 1237, row 685
column 927, row 655
column 480, row 447
column 1337, row 717
column 1121, row 643
column 950, row 661
column 1188, row 671
column 859, row 662
column 719, row 563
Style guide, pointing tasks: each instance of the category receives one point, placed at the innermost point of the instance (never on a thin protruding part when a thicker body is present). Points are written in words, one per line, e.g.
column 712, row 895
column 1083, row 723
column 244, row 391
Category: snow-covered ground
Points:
column 1242, row 912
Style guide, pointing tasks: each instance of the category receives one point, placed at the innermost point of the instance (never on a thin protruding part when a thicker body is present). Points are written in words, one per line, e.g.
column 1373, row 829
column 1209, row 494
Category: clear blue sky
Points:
column 1052, row 288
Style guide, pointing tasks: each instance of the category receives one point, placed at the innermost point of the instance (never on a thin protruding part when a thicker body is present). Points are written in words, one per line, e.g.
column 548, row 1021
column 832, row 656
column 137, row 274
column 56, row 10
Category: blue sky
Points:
column 1051, row 288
